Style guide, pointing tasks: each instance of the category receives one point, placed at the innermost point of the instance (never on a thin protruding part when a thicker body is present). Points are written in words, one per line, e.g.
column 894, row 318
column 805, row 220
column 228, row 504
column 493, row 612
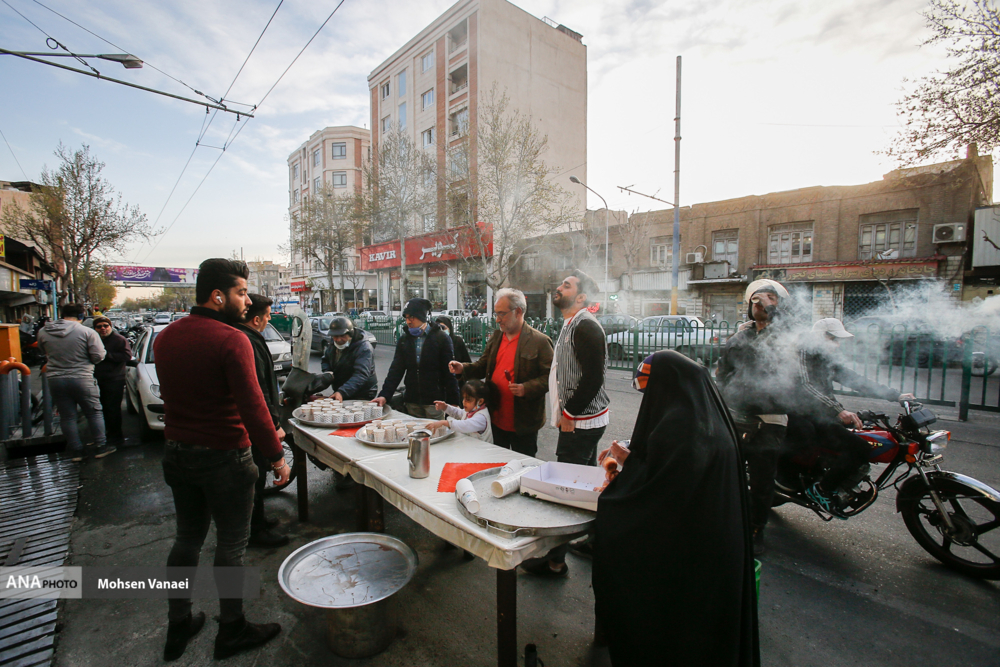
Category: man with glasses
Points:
column 516, row 360
column 110, row 376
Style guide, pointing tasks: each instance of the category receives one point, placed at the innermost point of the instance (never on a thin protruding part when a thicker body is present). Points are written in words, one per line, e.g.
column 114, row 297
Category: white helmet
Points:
column 765, row 283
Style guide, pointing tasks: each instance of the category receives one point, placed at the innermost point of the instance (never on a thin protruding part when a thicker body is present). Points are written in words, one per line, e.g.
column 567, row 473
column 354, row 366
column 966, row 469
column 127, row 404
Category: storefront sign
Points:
column 874, row 271
column 151, row 274
column 44, row 285
column 299, row 286
column 3, row 249
column 437, row 247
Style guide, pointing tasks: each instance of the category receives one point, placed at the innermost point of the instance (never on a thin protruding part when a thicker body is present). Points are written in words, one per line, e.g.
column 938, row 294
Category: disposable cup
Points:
column 466, row 495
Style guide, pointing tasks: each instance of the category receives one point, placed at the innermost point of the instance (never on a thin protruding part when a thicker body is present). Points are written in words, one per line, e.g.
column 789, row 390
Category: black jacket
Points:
column 758, row 373
column 461, row 351
column 819, row 367
column 265, row 370
column 353, row 375
column 428, row 381
column 118, row 350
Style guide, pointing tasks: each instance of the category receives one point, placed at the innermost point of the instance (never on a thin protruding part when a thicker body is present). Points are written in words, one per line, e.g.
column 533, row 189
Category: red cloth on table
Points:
column 455, row 471
column 503, row 417
column 346, row 432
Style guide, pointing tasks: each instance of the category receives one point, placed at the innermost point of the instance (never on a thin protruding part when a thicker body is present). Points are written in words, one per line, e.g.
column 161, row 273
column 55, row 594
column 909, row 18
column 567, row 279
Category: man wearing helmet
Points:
column 755, row 384
column 349, row 363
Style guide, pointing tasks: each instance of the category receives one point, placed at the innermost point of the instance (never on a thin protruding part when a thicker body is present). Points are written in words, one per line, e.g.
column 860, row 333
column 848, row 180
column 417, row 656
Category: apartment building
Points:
column 20, row 260
column 432, row 87
column 332, row 157
column 840, row 248
column 266, row 276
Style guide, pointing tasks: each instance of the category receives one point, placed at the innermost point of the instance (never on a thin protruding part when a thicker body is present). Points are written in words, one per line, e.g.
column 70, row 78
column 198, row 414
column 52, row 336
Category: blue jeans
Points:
column 67, row 394
column 209, row 484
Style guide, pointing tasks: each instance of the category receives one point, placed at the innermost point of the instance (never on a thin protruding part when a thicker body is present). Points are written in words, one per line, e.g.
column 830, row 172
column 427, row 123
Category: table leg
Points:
column 301, row 480
column 361, row 508
column 507, row 618
column 375, row 511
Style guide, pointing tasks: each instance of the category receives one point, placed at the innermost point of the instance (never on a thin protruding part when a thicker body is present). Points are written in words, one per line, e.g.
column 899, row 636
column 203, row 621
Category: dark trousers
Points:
column 258, row 521
column 209, row 485
column 578, row 447
column 526, row 444
column 761, row 444
column 67, row 394
column 112, row 393
column 851, row 450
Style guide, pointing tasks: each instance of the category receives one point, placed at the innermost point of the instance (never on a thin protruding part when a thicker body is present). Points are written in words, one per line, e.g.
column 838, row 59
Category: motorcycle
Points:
column 954, row 517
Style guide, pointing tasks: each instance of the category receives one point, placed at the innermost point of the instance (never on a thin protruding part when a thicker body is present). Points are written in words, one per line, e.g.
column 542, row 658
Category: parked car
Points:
column 660, row 332
column 161, row 318
column 280, row 349
column 142, row 389
column 618, row 322
column 374, row 316
column 903, row 341
column 177, row 316
column 458, row 312
column 321, row 334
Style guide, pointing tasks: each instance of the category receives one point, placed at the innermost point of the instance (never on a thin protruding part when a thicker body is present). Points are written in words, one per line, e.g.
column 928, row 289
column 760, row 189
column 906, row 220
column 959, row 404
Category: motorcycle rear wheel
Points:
column 974, row 547
column 269, row 485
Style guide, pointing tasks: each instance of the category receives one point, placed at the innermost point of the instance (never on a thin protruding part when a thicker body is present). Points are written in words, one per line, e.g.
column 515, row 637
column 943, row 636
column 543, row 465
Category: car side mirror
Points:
column 132, row 362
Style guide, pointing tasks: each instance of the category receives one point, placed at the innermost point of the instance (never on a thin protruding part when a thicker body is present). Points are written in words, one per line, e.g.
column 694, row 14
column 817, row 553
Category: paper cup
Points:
column 466, row 495
column 511, row 468
column 379, row 435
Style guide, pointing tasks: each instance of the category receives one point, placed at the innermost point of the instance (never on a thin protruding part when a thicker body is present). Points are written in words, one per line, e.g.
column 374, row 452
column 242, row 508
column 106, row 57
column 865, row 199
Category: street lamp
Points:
column 128, row 61
column 576, row 180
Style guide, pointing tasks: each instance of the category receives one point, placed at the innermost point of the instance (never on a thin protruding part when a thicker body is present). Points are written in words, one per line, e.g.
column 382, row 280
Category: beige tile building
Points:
column 433, row 85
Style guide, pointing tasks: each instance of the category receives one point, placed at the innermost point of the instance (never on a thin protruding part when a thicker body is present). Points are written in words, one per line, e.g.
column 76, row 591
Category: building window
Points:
column 459, row 79
column 529, row 263
column 725, row 245
column 427, row 61
column 339, row 151
column 340, row 179
column 427, row 100
column 402, row 116
column 430, row 222
column 401, row 79
column 385, row 90
column 427, row 137
column 661, row 250
column 429, row 177
column 316, row 184
column 295, row 196
column 790, row 244
column 880, row 233
column 386, row 124
column 459, row 122
column 458, row 37
column 295, row 170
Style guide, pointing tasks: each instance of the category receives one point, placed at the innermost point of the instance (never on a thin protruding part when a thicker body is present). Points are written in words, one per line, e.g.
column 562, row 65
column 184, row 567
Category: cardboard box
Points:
column 564, row 483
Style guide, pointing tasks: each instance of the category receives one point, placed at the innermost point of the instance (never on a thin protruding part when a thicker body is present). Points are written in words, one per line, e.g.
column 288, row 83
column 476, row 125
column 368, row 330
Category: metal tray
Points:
column 520, row 516
column 399, row 445
column 386, row 414
column 348, row 570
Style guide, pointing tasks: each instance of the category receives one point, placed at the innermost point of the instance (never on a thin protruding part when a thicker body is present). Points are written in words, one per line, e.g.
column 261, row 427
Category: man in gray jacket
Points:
column 72, row 350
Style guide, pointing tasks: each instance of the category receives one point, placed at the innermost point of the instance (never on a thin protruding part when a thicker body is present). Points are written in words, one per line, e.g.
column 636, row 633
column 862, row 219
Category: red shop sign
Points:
column 437, row 247
column 299, row 286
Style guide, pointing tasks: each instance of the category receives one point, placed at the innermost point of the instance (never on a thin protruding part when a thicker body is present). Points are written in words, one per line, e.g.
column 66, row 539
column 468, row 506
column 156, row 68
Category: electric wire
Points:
column 233, row 139
column 50, row 37
column 14, row 156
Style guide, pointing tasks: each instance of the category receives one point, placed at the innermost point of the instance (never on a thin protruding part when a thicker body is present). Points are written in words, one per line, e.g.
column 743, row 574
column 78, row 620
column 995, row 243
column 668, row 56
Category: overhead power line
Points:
column 14, row 156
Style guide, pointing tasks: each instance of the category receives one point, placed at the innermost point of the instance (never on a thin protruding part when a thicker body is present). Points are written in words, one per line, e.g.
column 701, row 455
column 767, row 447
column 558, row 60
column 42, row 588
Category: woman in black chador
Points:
column 673, row 563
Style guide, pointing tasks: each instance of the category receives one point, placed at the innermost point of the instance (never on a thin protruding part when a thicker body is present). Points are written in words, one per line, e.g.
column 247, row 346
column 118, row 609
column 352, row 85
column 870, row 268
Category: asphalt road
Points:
column 860, row 592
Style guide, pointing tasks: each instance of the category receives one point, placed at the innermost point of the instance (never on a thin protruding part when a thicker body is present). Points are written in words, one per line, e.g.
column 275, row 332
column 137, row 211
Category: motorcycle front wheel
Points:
column 973, row 545
column 269, row 485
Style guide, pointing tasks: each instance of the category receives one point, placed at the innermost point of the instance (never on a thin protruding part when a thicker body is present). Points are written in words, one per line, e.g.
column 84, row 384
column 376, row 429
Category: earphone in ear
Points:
column 218, row 299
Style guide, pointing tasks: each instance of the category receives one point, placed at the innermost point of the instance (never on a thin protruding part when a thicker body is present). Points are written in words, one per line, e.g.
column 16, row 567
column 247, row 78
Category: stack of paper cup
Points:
column 506, row 485
column 466, row 495
column 510, row 468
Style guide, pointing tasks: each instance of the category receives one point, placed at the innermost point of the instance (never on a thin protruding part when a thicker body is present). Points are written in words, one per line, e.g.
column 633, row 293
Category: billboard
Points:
column 151, row 274
column 435, row 247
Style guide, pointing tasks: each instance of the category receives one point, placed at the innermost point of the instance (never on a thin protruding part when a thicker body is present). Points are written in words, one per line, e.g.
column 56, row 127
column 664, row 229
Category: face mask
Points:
column 341, row 346
column 415, row 331
column 445, row 329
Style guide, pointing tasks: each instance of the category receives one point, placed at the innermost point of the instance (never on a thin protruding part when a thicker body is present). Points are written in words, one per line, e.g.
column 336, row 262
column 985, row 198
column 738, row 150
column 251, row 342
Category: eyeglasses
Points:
column 500, row 314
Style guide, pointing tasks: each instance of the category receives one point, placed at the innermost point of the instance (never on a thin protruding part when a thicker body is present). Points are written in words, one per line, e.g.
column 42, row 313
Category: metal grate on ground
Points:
column 38, row 497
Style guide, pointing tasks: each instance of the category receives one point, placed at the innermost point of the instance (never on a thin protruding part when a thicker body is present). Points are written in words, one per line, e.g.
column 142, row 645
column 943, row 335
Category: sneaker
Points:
column 583, row 548
column 76, row 455
column 240, row 635
column 267, row 539
column 758, row 541
column 104, row 450
column 826, row 503
column 542, row 568
column 180, row 633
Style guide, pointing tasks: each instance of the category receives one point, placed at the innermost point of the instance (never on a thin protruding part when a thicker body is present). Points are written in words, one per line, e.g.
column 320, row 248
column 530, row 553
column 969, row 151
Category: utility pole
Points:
column 677, row 197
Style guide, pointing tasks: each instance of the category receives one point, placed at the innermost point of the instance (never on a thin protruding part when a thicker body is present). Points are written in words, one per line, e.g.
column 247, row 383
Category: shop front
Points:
column 440, row 267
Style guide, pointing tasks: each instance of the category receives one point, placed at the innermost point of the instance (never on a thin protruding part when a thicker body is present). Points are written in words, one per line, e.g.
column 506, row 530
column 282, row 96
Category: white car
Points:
column 658, row 332
column 142, row 389
column 281, row 351
column 161, row 318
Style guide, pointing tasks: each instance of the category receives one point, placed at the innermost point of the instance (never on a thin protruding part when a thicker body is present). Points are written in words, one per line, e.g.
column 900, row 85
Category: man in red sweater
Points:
column 213, row 406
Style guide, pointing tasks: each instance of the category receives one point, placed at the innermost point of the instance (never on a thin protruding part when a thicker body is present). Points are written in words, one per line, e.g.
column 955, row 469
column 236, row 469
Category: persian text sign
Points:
column 298, row 286
column 151, row 274
column 874, row 271
column 437, row 247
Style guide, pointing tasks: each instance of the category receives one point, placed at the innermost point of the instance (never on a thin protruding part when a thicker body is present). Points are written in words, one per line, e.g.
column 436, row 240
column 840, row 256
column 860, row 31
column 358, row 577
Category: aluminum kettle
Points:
column 419, row 454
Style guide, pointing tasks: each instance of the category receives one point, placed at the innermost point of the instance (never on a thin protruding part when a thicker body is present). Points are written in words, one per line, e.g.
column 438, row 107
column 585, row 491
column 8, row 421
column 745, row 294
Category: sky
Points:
column 776, row 95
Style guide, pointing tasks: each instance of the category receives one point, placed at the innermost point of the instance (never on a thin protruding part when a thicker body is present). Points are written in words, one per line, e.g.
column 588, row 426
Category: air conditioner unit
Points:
column 952, row 232
column 693, row 258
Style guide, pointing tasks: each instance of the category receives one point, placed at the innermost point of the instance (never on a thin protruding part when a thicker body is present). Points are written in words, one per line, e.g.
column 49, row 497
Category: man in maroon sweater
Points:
column 213, row 406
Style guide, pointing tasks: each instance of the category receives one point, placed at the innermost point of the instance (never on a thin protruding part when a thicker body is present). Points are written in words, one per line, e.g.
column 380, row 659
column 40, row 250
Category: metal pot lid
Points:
column 348, row 570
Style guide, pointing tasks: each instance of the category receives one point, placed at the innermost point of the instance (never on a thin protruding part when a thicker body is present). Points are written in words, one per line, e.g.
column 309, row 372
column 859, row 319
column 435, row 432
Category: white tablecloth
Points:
column 387, row 472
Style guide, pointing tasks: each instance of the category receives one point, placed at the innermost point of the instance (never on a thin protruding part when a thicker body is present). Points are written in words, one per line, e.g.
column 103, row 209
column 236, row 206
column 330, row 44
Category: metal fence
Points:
column 937, row 371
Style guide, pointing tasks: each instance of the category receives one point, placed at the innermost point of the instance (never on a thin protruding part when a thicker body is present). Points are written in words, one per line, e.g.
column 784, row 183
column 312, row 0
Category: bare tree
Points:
column 633, row 230
column 959, row 106
column 400, row 188
column 507, row 186
column 326, row 228
column 78, row 220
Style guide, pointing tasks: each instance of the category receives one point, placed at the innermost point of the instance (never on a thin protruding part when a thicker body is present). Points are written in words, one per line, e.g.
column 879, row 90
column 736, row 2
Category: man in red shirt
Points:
column 213, row 406
column 516, row 360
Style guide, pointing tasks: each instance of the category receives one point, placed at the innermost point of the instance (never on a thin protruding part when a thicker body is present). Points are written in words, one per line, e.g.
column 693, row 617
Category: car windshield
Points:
column 149, row 348
column 271, row 334
column 324, row 323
